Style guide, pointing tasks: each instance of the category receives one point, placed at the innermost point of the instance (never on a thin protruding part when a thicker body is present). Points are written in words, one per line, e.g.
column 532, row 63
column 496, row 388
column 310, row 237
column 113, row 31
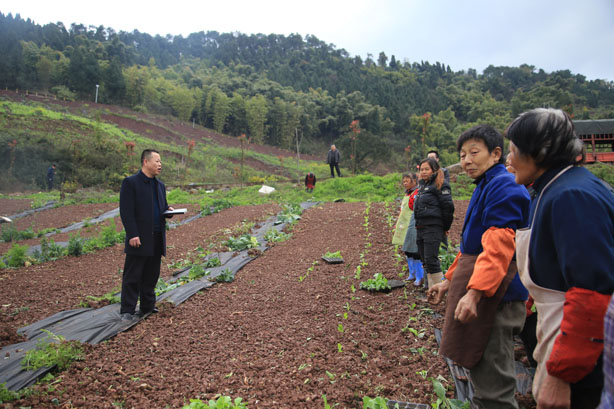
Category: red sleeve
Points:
column 492, row 263
column 412, row 196
column 578, row 347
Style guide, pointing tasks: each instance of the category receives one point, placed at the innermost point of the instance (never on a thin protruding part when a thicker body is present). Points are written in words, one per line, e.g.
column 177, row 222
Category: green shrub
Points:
column 16, row 256
column 7, row 395
column 54, row 350
column 49, row 251
column 10, row 233
column 75, row 246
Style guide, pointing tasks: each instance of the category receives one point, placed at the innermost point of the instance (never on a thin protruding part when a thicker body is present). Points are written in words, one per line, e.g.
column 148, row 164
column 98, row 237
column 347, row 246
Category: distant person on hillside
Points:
column 333, row 158
column 565, row 257
column 435, row 155
column 310, row 182
column 142, row 202
column 50, row 176
column 486, row 300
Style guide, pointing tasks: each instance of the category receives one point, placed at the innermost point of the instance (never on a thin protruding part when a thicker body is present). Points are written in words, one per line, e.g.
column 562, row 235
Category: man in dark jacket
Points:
column 142, row 203
column 50, row 176
column 333, row 158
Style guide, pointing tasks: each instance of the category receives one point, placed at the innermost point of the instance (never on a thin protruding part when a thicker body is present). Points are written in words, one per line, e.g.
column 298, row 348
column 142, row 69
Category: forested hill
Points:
column 274, row 87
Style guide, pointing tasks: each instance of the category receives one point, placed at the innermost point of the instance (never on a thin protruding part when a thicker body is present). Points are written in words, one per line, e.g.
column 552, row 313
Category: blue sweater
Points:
column 497, row 201
column 572, row 239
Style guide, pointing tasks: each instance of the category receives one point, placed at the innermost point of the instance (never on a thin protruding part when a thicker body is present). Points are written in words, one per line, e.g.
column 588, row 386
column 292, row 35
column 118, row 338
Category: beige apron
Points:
column 549, row 303
column 402, row 222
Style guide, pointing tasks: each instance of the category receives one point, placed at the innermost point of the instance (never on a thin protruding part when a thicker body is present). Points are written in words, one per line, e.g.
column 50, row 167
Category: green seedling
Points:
column 377, row 283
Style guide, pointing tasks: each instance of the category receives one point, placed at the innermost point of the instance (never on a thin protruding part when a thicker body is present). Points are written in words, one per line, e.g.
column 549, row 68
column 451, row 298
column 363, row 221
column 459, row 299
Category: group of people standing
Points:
column 557, row 246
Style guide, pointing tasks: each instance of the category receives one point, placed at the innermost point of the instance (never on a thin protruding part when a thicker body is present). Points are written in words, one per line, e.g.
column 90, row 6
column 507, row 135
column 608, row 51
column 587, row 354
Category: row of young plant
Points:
column 290, row 214
column 56, row 351
column 415, row 315
column 17, row 255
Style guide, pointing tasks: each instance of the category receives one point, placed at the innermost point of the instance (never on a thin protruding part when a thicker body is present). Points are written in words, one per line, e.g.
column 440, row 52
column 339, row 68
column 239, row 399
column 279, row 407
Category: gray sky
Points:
column 548, row 34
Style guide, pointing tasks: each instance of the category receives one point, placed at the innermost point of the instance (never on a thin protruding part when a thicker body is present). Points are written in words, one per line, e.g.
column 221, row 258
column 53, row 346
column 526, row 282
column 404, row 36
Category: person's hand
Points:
column 171, row 208
column 135, row 242
column 467, row 307
column 554, row 393
column 435, row 293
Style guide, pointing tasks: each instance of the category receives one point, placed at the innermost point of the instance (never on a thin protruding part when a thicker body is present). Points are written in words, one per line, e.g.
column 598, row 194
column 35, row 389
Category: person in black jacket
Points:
column 434, row 212
column 142, row 202
column 50, row 176
column 333, row 158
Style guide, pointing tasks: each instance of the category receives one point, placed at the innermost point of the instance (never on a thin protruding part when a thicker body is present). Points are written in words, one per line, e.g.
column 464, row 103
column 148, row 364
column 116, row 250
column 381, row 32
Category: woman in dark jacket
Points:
column 434, row 212
column 565, row 257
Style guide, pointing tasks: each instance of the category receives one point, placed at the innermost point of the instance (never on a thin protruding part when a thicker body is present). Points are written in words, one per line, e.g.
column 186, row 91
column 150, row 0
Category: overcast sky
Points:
column 548, row 34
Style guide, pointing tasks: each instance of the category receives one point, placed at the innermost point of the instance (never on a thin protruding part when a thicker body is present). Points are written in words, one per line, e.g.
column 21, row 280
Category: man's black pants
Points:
column 140, row 277
column 334, row 166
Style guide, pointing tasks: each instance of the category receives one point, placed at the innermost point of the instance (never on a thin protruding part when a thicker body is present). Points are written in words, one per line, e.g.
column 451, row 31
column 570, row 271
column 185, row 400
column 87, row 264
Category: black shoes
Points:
column 144, row 313
column 126, row 316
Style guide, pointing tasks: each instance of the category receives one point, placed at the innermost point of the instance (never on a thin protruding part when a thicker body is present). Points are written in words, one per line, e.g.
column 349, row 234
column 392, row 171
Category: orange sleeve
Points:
column 452, row 267
column 491, row 266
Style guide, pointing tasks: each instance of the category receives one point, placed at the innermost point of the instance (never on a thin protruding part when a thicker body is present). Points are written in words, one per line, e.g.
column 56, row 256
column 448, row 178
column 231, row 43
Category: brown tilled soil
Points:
column 31, row 293
column 9, row 207
column 270, row 337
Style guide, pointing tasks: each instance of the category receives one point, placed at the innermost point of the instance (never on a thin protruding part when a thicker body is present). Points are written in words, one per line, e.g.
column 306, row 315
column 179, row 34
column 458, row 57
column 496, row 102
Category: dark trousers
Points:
column 429, row 239
column 140, row 277
column 50, row 184
column 334, row 166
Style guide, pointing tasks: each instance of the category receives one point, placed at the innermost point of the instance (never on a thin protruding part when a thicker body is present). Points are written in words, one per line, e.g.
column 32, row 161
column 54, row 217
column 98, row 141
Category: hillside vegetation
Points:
column 92, row 150
column 275, row 88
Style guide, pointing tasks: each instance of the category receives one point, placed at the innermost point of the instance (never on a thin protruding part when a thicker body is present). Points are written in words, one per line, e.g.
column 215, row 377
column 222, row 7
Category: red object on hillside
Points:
column 598, row 136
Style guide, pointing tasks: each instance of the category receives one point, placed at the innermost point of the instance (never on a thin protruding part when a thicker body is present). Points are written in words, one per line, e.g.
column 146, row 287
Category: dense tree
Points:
column 270, row 86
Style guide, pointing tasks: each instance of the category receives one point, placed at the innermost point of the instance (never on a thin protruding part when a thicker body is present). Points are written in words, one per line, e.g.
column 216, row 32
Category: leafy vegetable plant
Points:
column 377, row 283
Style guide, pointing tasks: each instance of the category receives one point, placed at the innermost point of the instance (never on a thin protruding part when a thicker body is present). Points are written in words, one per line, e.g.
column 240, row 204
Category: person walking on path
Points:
column 333, row 158
column 486, row 300
column 565, row 257
column 50, row 176
column 434, row 212
column 142, row 202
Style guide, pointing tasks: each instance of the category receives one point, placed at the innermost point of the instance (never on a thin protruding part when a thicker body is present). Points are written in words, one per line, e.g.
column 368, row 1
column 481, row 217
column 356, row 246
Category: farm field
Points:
column 288, row 330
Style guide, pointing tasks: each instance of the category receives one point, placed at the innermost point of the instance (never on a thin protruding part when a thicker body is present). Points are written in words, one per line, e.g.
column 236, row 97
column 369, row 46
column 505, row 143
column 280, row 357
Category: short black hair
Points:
column 146, row 154
column 548, row 136
column 433, row 151
column 485, row 133
column 432, row 163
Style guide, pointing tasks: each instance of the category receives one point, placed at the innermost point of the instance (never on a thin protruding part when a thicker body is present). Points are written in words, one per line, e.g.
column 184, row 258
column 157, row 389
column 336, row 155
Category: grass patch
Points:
column 53, row 351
